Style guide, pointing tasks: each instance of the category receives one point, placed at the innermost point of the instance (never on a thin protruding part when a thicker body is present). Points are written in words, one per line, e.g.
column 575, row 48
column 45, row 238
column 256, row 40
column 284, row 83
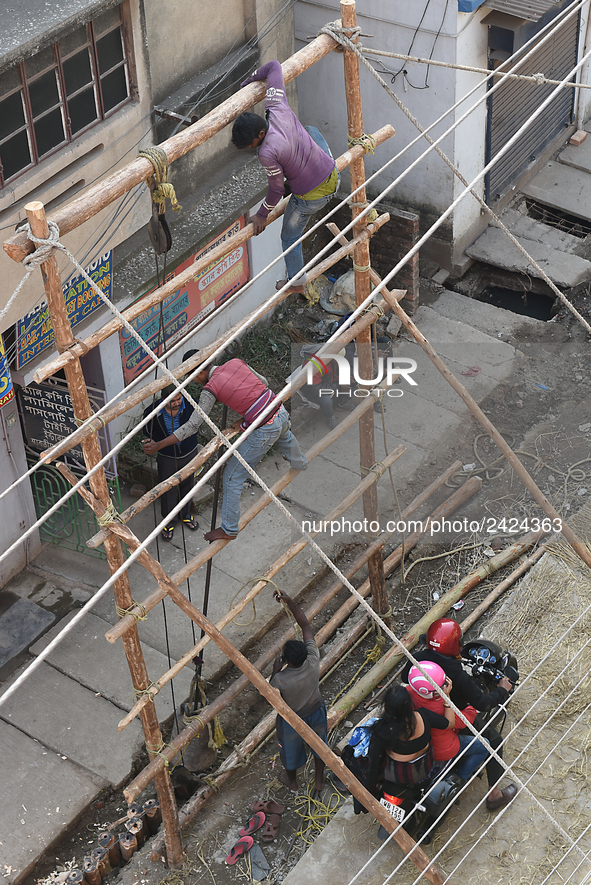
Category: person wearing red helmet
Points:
column 443, row 647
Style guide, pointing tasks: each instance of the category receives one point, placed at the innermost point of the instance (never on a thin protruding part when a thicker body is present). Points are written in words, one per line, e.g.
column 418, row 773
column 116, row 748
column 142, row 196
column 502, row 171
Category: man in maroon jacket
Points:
column 243, row 390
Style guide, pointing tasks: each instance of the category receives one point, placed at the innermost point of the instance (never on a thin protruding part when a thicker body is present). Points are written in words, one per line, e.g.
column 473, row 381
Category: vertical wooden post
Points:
column 361, row 265
column 98, row 483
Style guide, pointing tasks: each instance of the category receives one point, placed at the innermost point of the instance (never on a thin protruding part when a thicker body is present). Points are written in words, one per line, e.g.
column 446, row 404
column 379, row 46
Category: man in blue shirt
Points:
column 172, row 457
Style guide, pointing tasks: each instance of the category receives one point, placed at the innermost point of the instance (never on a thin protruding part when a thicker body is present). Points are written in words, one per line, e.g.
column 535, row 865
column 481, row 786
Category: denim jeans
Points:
column 295, row 218
column 252, row 450
column 473, row 757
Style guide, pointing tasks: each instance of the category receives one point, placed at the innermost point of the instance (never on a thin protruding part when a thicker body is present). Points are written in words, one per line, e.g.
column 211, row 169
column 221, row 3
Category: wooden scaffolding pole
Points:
column 361, row 266
column 167, row 288
column 98, row 483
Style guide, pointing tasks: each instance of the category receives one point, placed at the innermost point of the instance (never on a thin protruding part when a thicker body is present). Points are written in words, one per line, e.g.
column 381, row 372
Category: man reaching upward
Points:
column 287, row 151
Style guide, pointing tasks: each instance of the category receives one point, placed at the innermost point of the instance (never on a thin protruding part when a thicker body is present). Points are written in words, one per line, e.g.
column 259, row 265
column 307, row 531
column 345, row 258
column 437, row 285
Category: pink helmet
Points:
column 421, row 684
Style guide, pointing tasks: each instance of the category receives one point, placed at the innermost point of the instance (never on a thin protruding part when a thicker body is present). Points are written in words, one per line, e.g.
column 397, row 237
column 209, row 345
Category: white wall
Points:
column 321, row 92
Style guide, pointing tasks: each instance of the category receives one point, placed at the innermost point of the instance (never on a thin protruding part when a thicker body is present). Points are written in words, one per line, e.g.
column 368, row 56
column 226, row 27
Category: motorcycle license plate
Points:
column 396, row 811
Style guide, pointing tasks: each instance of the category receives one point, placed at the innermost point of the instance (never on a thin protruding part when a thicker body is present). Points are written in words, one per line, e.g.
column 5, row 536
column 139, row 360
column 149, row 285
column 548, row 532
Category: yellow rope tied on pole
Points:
column 217, row 737
column 163, row 190
column 367, row 142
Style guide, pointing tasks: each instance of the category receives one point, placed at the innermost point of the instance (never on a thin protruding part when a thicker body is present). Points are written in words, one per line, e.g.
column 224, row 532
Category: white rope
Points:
column 551, row 27
column 537, row 79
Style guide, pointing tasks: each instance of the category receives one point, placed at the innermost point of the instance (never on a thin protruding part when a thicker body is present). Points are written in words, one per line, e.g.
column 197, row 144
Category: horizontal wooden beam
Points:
column 105, row 192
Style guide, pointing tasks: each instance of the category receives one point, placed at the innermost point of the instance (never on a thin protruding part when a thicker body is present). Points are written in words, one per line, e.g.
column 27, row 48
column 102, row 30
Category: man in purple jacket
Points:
column 287, row 151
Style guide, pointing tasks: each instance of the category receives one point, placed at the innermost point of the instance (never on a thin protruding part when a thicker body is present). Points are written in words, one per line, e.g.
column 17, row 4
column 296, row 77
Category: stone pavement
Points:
column 60, row 727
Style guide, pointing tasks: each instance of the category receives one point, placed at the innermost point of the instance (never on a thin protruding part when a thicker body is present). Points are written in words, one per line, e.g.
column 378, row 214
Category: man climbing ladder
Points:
column 287, row 150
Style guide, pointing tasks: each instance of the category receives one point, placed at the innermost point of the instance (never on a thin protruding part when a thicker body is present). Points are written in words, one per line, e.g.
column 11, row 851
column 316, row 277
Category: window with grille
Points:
column 49, row 99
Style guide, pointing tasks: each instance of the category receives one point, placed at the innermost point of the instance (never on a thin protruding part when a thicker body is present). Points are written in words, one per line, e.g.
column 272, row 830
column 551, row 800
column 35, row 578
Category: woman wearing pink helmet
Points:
column 446, row 744
column 400, row 743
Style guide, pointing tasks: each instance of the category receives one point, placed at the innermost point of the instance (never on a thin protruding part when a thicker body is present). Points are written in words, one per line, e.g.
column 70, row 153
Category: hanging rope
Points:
column 163, row 189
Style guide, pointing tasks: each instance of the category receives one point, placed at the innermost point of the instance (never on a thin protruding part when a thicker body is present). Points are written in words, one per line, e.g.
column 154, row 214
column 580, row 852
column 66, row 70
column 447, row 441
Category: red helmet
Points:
column 443, row 636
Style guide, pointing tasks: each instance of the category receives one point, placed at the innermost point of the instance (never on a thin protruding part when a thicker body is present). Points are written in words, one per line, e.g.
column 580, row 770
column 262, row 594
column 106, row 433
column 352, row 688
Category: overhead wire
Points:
column 288, row 516
column 348, row 227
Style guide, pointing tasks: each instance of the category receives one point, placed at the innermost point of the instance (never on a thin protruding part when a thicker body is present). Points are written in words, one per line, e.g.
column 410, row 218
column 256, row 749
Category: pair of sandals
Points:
column 265, row 814
column 168, row 531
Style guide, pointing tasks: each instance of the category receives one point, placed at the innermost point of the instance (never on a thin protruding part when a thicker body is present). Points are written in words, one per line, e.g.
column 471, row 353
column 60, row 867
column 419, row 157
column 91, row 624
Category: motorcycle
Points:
column 418, row 807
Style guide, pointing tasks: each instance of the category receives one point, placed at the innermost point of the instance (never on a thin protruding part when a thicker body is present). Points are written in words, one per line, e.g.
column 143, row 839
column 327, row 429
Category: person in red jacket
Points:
column 446, row 744
column 443, row 646
column 243, row 390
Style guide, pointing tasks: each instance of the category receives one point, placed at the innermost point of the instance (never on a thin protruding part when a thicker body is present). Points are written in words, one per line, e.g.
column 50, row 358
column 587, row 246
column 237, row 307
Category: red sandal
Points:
column 241, row 847
column 254, row 824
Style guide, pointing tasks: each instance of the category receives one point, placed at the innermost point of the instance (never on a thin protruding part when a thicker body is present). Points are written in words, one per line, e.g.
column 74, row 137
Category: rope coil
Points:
column 162, row 189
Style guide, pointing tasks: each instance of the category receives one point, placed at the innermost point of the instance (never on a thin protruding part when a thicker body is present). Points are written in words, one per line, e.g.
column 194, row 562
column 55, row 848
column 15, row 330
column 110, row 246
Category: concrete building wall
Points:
column 17, row 507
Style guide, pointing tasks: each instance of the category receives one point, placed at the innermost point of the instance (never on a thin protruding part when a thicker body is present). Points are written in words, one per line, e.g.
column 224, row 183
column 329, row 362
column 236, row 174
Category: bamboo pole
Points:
column 486, row 603
column 361, row 265
column 121, row 588
column 189, row 366
column 392, row 657
column 204, row 555
column 272, row 695
column 321, row 636
column 578, row 546
column 102, row 194
column 279, row 563
column 167, row 288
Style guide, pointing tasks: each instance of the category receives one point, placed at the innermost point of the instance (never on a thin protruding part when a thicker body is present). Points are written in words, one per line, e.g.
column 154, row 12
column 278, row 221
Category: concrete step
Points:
column 494, row 321
column 564, row 269
column 102, row 666
column 578, row 157
column 79, row 724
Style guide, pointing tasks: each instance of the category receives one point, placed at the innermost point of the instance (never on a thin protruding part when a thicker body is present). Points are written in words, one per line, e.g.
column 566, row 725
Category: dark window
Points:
column 50, row 98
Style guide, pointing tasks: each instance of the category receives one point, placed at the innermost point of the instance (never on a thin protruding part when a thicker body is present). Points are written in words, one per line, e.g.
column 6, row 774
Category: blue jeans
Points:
column 474, row 756
column 252, row 450
column 295, row 218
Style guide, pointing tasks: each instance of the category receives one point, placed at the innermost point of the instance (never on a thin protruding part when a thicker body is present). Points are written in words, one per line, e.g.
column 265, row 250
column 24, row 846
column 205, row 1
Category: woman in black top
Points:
column 402, row 738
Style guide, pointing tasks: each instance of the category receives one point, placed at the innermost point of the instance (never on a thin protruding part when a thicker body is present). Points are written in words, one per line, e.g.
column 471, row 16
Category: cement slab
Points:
column 486, row 317
column 75, row 723
column 565, row 270
column 103, row 666
column 563, row 187
column 342, row 849
column 578, row 157
column 41, row 795
column 19, row 626
column 521, row 225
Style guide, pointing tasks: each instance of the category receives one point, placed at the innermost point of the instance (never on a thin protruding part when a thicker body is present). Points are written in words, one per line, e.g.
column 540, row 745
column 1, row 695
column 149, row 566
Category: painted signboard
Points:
column 48, row 418
column 186, row 308
column 6, row 388
column 35, row 332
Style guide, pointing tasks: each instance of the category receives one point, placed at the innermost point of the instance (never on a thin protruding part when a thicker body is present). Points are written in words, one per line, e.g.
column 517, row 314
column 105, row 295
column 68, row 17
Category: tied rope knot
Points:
column 162, row 189
column 45, row 246
column 539, row 79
